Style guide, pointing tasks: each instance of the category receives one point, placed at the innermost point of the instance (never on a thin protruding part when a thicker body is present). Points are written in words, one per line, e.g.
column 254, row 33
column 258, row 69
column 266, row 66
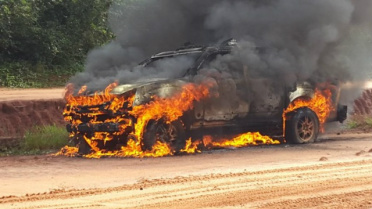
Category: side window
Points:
column 212, row 58
column 225, row 63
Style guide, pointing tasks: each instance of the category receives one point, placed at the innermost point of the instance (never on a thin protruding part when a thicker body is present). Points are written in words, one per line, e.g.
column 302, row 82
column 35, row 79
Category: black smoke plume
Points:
column 316, row 40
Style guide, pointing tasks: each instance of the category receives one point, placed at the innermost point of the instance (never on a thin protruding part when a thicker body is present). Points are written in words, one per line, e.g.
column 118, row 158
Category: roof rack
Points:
column 189, row 45
column 229, row 42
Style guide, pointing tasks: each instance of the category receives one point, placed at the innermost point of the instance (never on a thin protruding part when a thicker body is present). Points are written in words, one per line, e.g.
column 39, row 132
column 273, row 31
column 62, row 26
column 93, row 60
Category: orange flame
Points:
column 321, row 104
column 169, row 109
column 191, row 147
column 134, row 150
column 242, row 140
column 96, row 99
column 67, row 151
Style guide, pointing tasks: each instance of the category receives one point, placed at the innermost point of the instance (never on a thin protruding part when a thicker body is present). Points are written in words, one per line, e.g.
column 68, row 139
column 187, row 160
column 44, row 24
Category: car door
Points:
column 267, row 97
column 232, row 100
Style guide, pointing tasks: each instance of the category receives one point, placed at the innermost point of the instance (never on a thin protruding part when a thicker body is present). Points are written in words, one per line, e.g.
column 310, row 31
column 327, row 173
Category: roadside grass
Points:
column 40, row 140
column 363, row 122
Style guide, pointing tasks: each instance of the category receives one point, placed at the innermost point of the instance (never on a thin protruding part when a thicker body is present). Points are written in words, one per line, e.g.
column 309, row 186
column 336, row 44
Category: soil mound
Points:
column 363, row 105
column 18, row 116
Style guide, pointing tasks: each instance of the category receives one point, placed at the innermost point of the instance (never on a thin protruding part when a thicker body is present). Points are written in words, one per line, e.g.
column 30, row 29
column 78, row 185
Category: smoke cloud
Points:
column 316, row 40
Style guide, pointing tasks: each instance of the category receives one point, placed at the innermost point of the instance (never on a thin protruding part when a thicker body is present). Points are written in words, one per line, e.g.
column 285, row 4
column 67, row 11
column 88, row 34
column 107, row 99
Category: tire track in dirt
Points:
column 228, row 185
column 333, row 185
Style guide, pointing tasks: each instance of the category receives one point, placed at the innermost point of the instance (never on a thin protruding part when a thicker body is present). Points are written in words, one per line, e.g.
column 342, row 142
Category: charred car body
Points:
column 244, row 104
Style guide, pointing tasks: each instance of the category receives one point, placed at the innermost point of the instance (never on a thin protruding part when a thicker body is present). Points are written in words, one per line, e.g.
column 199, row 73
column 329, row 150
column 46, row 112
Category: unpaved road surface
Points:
column 7, row 94
column 333, row 173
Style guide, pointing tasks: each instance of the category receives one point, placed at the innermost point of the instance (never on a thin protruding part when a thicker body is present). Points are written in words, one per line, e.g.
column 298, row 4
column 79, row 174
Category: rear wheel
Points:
column 172, row 134
column 302, row 127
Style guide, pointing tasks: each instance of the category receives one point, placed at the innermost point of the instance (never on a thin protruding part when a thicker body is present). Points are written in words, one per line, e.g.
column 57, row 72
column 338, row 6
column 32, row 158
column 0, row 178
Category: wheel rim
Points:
column 306, row 128
column 166, row 133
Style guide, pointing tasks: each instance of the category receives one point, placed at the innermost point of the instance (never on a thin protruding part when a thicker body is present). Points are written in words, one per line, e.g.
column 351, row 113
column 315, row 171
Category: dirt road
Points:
column 30, row 94
column 333, row 173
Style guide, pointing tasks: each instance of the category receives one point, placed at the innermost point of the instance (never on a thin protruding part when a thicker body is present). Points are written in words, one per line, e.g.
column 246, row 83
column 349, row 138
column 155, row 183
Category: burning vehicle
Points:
column 156, row 117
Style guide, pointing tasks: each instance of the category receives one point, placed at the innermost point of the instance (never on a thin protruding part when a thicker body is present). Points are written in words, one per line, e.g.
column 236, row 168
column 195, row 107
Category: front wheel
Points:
column 82, row 145
column 302, row 127
column 172, row 133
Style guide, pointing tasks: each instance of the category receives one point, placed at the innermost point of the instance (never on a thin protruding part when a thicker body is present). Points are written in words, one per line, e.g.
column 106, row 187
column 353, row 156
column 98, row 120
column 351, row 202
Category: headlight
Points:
column 141, row 97
column 368, row 85
column 122, row 89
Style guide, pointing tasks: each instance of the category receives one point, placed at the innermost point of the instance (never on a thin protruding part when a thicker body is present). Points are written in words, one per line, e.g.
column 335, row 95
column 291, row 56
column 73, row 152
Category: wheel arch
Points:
column 300, row 97
column 302, row 90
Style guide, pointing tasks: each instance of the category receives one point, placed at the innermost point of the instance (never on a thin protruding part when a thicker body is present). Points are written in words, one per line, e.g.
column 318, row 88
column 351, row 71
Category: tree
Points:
column 40, row 39
column 52, row 32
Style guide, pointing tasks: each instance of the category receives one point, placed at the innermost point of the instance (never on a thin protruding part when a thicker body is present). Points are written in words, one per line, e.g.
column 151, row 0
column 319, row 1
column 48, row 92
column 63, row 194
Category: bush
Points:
column 363, row 122
column 26, row 75
column 369, row 122
column 44, row 138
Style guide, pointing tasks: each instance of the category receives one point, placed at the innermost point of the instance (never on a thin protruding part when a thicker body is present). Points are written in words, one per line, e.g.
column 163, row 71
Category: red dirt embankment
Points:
column 363, row 105
column 20, row 110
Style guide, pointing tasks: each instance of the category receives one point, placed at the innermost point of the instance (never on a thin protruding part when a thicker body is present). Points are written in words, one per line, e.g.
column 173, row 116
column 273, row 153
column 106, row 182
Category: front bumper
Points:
column 92, row 128
column 342, row 113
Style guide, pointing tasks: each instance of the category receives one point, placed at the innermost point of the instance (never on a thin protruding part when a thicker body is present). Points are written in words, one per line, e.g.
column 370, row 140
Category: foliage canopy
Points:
column 49, row 36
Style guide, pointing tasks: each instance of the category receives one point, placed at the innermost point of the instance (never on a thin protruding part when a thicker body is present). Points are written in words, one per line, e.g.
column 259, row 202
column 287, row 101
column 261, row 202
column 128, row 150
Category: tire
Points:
column 172, row 134
column 302, row 127
column 83, row 147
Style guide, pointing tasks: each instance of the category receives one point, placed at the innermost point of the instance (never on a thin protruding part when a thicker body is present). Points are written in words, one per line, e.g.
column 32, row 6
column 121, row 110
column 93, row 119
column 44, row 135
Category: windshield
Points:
column 176, row 65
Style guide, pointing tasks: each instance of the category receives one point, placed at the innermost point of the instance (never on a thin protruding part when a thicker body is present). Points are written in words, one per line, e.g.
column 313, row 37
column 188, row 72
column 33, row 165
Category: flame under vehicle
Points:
column 244, row 103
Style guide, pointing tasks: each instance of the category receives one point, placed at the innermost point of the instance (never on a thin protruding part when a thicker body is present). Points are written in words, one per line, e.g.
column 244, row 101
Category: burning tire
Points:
column 172, row 134
column 302, row 127
column 83, row 146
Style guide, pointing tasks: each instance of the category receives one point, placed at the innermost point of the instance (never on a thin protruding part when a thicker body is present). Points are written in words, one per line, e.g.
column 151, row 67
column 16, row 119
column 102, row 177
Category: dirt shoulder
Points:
column 333, row 173
column 21, row 109
column 7, row 94
column 21, row 115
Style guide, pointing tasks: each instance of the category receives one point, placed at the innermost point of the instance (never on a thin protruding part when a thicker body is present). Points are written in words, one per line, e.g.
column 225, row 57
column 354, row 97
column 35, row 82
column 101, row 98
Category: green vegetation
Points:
column 360, row 122
column 40, row 140
column 45, row 138
column 23, row 74
column 44, row 42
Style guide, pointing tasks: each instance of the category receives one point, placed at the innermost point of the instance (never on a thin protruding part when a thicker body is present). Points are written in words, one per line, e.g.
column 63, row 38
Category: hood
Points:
column 121, row 89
